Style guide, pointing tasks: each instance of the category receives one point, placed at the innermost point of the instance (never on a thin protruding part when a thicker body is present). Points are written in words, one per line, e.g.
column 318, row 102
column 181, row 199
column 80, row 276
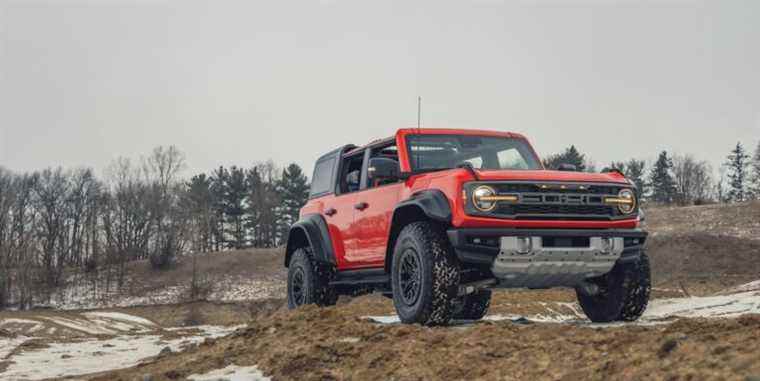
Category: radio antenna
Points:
column 419, row 112
column 419, row 130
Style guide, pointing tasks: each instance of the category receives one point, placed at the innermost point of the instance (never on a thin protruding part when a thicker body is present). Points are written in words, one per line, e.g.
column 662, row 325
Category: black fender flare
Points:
column 429, row 204
column 432, row 202
column 311, row 230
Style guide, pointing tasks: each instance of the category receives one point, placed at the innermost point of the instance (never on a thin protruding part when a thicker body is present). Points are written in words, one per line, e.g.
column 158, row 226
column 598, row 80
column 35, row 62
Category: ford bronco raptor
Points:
column 436, row 219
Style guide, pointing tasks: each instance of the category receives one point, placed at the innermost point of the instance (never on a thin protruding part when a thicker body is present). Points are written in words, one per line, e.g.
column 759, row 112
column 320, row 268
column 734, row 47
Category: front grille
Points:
column 584, row 210
column 552, row 201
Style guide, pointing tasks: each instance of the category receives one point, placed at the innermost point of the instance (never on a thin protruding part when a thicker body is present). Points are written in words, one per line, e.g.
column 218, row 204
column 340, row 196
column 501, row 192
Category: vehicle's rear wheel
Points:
column 473, row 306
column 308, row 281
column 623, row 293
column 424, row 275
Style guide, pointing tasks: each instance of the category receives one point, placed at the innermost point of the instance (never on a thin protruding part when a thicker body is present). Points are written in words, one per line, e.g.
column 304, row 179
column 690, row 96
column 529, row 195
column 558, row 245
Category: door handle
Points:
column 361, row 206
column 330, row 212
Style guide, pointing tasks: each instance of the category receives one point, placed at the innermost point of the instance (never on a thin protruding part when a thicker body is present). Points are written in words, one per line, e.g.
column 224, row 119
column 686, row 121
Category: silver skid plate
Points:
column 525, row 262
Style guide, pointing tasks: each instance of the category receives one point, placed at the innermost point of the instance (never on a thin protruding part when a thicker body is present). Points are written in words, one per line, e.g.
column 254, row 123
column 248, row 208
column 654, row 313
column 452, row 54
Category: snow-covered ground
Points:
column 738, row 302
column 751, row 286
column 728, row 305
column 231, row 373
column 109, row 340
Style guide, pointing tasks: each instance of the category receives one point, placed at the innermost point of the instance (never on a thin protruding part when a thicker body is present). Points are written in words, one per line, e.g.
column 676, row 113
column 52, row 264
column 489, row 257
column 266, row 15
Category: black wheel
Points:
column 473, row 306
column 623, row 293
column 308, row 281
column 424, row 275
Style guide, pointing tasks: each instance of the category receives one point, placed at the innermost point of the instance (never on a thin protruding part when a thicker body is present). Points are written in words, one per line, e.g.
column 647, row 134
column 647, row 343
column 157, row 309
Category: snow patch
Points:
column 91, row 356
column 122, row 317
column 391, row 319
column 732, row 305
column 8, row 344
column 82, row 325
column 719, row 306
column 231, row 373
column 751, row 286
column 21, row 325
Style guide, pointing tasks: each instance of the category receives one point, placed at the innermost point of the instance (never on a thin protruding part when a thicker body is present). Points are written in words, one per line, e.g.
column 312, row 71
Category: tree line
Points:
column 681, row 179
column 56, row 222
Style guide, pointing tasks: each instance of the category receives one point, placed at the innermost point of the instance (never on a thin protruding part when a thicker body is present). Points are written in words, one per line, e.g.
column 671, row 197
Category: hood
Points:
column 552, row 176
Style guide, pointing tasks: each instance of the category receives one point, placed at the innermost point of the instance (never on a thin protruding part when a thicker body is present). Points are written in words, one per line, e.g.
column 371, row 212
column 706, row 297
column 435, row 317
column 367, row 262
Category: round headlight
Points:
column 483, row 191
column 630, row 206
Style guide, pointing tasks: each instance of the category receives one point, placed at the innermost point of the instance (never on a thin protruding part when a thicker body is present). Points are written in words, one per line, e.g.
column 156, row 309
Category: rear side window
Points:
column 322, row 181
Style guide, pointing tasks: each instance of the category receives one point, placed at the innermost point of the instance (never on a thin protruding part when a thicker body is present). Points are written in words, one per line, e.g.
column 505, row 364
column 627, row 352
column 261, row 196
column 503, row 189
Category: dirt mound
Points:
column 736, row 220
column 335, row 343
column 717, row 260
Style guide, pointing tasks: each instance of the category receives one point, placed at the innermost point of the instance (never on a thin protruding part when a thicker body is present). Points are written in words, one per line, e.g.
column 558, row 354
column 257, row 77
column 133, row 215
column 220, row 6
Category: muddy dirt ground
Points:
column 694, row 331
column 341, row 343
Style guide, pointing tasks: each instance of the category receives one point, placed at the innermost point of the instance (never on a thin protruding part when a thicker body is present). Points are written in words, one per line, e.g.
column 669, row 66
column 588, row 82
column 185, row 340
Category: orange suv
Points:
column 438, row 218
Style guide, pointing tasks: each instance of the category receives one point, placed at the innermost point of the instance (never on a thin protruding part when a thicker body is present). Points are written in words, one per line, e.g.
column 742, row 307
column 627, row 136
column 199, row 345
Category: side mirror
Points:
column 567, row 167
column 383, row 168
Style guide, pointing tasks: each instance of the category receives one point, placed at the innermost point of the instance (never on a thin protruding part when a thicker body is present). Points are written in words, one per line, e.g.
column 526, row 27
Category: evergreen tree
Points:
column 738, row 174
column 256, row 201
column 635, row 171
column 293, row 188
column 617, row 165
column 755, row 181
column 661, row 180
column 570, row 156
column 217, row 188
column 198, row 201
column 235, row 194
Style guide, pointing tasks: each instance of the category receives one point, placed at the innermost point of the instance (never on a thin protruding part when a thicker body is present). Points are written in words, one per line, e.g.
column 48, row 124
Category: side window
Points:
column 389, row 152
column 351, row 173
column 323, row 177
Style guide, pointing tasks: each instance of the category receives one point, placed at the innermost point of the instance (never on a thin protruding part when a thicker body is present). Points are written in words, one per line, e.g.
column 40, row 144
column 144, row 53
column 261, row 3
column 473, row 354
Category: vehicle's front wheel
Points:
column 623, row 293
column 308, row 281
column 424, row 275
column 473, row 306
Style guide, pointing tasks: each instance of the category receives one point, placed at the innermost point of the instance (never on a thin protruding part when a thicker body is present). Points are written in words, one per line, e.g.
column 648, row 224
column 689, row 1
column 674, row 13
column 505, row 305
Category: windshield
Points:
column 431, row 152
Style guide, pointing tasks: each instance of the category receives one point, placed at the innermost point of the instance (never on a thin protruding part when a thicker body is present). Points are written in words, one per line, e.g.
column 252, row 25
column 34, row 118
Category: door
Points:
column 338, row 211
column 373, row 211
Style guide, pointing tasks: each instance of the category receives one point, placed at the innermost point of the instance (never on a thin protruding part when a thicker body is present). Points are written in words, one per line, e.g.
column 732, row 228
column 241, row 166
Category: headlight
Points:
column 625, row 201
column 629, row 206
column 485, row 198
column 481, row 198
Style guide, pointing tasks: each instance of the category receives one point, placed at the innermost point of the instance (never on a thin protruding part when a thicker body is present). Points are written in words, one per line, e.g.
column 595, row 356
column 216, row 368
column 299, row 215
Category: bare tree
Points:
column 692, row 178
column 127, row 223
column 161, row 169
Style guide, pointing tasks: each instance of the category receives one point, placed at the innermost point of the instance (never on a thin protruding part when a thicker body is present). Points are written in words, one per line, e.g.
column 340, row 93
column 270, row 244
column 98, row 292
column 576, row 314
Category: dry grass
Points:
column 264, row 264
column 704, row 249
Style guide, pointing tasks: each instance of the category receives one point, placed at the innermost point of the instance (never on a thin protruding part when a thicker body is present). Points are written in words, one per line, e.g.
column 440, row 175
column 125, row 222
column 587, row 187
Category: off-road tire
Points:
column 438, row 275
column 473, row 306
column 313, row 287
column 623, row 293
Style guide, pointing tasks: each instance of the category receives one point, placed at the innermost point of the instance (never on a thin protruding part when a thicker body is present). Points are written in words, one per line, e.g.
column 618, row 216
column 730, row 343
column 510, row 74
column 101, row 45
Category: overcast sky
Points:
column 82, row 82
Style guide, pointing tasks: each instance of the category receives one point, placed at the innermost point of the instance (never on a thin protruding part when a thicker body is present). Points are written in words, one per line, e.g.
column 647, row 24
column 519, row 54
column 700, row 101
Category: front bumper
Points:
column 543, row 258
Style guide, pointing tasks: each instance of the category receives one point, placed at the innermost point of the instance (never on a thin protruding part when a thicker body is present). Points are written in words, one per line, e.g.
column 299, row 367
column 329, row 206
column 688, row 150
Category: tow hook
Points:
column 469, row 288
column 589, row 288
